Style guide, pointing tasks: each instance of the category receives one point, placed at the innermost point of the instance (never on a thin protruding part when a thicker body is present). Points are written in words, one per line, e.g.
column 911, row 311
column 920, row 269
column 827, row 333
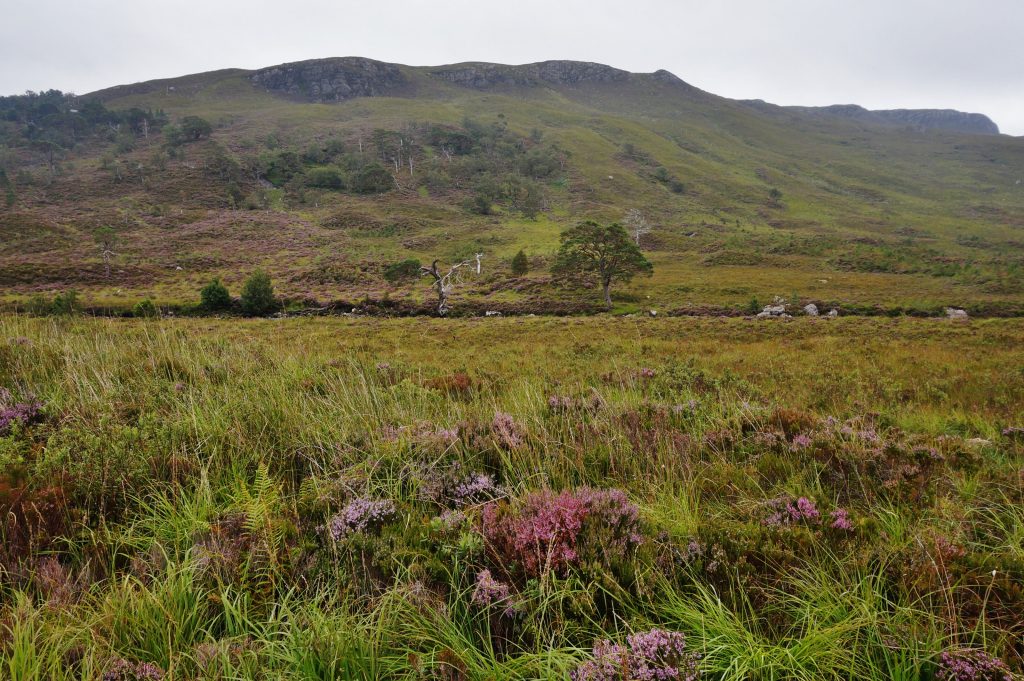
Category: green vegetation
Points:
column 520, row 264
column 215, row 297
column 258, row 294
column 606, row 253
column 331, row 498
column 742, row 201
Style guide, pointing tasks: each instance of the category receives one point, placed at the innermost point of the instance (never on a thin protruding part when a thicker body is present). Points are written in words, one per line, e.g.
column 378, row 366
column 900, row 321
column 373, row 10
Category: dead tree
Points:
column 444, row 283
column 637, row 224
column 106, row 240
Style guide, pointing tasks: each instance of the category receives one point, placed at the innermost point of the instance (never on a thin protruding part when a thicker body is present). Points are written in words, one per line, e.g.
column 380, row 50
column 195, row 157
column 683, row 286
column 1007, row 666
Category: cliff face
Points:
column 331, row 80
column 921, row 119
column 941, row 119
column 483, row 76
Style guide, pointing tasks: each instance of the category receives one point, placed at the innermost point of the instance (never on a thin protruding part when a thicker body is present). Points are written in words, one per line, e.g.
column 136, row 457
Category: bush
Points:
column 407, row 269
column 215, row 296
column 324, row 178
column 258, row 294
column 66, row 304
column 373, row 178
column 520, row 265
column 195, row 128
column 145, row 308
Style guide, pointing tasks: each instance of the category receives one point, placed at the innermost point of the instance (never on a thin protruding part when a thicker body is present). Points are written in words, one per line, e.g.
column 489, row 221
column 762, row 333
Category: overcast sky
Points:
column 958, row 54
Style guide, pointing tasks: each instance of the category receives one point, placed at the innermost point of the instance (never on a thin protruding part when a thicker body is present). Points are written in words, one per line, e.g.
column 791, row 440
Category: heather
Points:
column 511, row 499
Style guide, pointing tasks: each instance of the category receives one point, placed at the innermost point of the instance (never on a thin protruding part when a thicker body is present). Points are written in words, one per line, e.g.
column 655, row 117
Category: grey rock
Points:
column 331, row 80
column 811, row 310
column 481, row 76
column 772, row 312
column 492, row 313
column 653, row 313
column 956, row 313
column 833, row 313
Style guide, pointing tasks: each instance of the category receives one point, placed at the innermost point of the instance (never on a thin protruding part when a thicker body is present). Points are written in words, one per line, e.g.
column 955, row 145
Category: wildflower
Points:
column 841, row 520
column 476, row 488
column 647, row 373
column 971, row 665
column 1014, row 433
column 560, row 403
column 801, row 441
column 507, row 431
column 22, row 413
column 546, row 531
column 488, row 590
column 360, row 515
column 649, row 656
column 791, row 512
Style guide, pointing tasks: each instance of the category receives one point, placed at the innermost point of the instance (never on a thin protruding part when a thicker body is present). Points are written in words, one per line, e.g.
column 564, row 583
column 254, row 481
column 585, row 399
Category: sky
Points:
column 955, row 54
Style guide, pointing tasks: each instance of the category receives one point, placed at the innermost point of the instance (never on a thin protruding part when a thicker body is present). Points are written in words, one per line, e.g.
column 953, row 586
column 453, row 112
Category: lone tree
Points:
column 445, row 282
column 605, row 252
column 520, row 264
column 258, row 294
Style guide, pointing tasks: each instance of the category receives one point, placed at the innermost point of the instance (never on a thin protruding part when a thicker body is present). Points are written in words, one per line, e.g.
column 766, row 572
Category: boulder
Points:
column 956, row 313
column 492, row 313
column 772, row 312
column 811, row 310
column 653, row 313
column 833, row 313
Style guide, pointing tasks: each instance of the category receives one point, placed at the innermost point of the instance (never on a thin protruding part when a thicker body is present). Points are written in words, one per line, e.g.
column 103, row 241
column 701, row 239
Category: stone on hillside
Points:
column 833, row 313
column 492, row 313
column 772, row 312
column 956, row 313
column 811, row 310
column 653, row 313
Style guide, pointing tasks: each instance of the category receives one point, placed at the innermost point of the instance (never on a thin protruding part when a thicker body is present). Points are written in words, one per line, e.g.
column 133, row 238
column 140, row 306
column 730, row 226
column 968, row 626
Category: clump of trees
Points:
column 214, row 297
column 605, row 252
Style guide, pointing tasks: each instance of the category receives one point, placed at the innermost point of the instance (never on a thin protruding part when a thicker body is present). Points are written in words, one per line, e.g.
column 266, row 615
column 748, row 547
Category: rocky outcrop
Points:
column 482, row 76
column 331, row 80
column 920, row 119
column 941, row 119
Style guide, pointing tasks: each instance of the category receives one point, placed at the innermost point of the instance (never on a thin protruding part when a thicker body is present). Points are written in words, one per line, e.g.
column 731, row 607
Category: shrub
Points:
column 195, row 128
column 324, row 178
column 258, row 294
column 406, row 269
column 971, row 665
column 550, row 532
column 145, row 308
column 655, row 654
column 361, row 515
column 520, row 264
column 66, row 304
column 373, row 178
column 215, row 296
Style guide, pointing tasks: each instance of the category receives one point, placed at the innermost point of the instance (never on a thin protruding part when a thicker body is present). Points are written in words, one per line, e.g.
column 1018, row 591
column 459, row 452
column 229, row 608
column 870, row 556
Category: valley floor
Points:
column 511, row 498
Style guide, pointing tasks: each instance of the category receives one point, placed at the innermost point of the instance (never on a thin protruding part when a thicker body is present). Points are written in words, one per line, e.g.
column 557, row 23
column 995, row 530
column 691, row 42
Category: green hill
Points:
column 327, row 172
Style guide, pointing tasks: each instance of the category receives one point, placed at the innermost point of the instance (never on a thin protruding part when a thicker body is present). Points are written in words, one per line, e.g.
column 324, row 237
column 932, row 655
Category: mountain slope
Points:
column 745, row 199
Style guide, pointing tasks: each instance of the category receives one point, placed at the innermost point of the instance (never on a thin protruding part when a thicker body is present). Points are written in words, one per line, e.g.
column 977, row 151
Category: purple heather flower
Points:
column 841, row 520
column 488, row 590
column 801, row 441
column 791, row 512
column 360, row 515
column 22, row 413
column 508, row 432
column 971, row 665
column 655, row 655
column 647, row 373
column 476, row 488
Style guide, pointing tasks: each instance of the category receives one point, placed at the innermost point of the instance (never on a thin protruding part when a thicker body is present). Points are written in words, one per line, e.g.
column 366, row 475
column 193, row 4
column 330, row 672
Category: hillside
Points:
column 326, row 172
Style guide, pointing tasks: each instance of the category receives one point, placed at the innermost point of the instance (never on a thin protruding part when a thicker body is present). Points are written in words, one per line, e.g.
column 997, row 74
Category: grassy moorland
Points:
column 493, row 499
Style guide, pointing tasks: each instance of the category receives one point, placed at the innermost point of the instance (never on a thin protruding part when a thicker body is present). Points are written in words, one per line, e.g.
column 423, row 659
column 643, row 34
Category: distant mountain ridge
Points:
column 921, row 119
